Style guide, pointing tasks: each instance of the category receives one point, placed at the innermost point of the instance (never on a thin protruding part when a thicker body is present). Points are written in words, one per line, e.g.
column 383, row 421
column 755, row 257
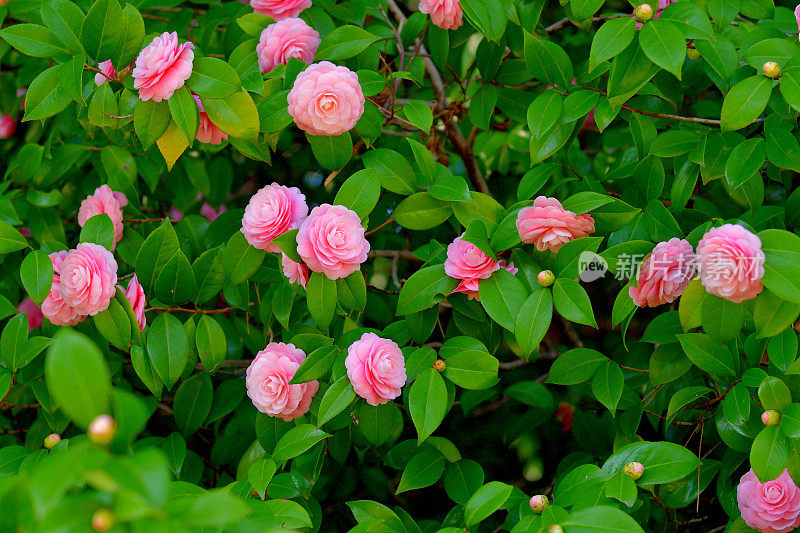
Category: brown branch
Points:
column 370, row 232
column 93, row 69
column 202, row 311
column 408, row 256
column 461, row 145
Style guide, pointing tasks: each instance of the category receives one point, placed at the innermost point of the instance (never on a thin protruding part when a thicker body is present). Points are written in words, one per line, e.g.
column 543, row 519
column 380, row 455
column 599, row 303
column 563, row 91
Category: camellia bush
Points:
column 399, row 266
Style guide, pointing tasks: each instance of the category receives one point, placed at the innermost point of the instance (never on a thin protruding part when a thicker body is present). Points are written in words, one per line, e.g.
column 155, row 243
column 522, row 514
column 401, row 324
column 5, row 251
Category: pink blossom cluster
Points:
column 469, row 264
column 375, row 367
column 330, row 239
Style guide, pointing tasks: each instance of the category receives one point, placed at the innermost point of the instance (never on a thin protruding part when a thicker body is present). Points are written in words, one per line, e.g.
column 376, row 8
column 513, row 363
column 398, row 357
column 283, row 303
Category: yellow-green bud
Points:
column 102, row 520
column 539, row 503
column 644, row 12
column 51, row 440
column 102, row 430
column 771, row 69
column 439, row 365
column 546, row 278
column 635, row 470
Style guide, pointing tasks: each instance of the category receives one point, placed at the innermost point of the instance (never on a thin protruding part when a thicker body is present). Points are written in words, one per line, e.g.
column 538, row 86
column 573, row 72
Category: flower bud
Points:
column 439, row 365
column 102, row 520
column 539, row 503
column 644, row 12
column 555, row 528
column 693, row 53
column 635, row 470
column 546, row 278
column 770, row 417
column 51, row 440
column 771, row 69
column 102, row 430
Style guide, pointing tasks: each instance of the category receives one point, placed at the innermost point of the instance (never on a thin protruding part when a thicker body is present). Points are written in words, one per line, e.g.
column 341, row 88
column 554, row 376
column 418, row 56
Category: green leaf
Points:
column 332, row 152
column 211, row 343
column 168, row 348
column 192, row 403
column 427, row 403
column 572, row 302
column 575, row 366
column 488, row 16
column 114, row 323
column 184, row 111
column 486, row 500
column 360, row 193
column 631, row 69
column 745, row 102
column 708, row 355
column 547, row 61
column 462, row 479
column 296, row 441
column 240, row 260
column 46, row 96
column 774, row 394
column 103, row 30
column 682, row 398
column 77, row 377
column 71, row 76
column 603, row 519
column 213, row 78
column 11, row 239
column 36, row 272
column 664, row 43
column 131, row 40
column 421, row 211
column 321, row 298
column 65, row 20
column 468, row 364
column 790, row 420
column 736, row 405
column 612, row 38
column 544, row 112
column 394, row 171
column 235, row 114
column 769, row 454
column 782, row 349
column 583, row 9
column 344, row 42
column 419, row 114
column 150, row 120
column 722, row 319
column 674, row 142
column 745, row 160
column 426, row 287
column 13, row 341
column 772, row 314
column 502, row 295
column 663, row 461
column 316, row 364
column 533, row 320
column 607, row 385
column 352, row 291
column 33, row 40
column 99, row 230
column 782, row 265
column 260, row 474
column 423, row 470
column 335, row 400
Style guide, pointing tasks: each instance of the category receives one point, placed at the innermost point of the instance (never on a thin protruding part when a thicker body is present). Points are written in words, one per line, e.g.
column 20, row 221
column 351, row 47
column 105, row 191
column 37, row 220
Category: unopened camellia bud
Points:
column 51, row 440
column 546, row 278
column 555, row 528
column 102, row 520
column 771, row 69
column 439, row 365
column 635, row 470
column 539, row 503
column 770, row 417
column 644, row 12
column 693, row 53
column 102, row 429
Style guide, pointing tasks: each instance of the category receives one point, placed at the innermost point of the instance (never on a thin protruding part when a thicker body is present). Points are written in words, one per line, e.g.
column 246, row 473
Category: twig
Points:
column 399, row 254
column 453, row 131
column 203, row 311
column 93, row 69
column 370, row 232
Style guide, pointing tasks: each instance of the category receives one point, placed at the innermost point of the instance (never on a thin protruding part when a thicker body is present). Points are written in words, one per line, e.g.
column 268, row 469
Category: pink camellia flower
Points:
column 547, row 225
column 731, row 263
column 376, row 368
column 664, row 274
column 268, row 378
column 467, row 263
column 88, row 278
column 272, row 211
column 7, row 126
column 54, row 308
column 207, row 131
column 32, row 312
column 769, row 507
column 135, row 294
column 286, row 39
column 326, row 99
column 210, row 213
column 797, row 15
column 470, row 286
column 447, row 14
column 175, row 214
column 280, row 9
column 163, row 67
column 331, row 240
column 296, row 272
column 662, row 5
column 108, row 71
column 104, row 201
